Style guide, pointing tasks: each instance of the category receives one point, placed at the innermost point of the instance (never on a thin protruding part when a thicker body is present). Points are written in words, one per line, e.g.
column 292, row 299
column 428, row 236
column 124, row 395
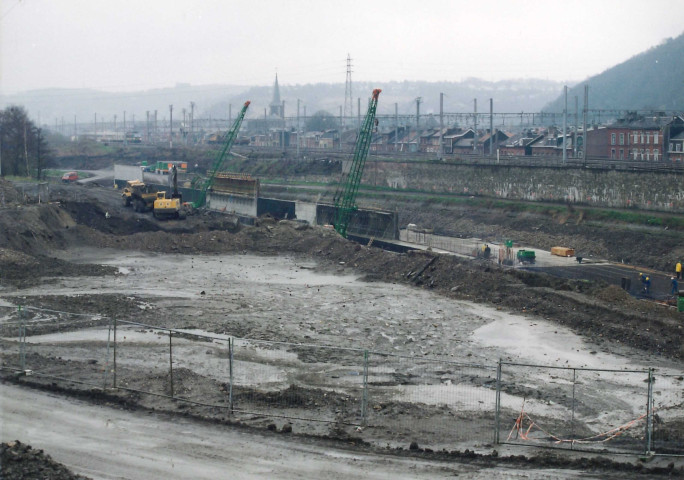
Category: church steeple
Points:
column 276, row 106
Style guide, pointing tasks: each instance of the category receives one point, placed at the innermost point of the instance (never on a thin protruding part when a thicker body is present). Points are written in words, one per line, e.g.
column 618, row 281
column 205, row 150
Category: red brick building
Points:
column 637, row 138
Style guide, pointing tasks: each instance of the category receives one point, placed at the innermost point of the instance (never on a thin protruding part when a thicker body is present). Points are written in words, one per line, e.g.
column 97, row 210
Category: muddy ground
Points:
column 20, row 461
column 37, row 259
column 29, row 233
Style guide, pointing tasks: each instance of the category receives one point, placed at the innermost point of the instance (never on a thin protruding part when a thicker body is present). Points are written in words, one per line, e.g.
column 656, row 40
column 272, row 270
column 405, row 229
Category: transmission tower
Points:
column 348, row 102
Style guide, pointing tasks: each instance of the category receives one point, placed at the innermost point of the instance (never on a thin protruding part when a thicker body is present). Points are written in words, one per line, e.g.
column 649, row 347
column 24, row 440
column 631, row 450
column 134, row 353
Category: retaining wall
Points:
column 662, row 191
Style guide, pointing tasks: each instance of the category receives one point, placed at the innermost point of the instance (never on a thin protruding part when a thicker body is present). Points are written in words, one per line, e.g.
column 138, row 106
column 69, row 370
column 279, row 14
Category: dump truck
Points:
column 526, row 256
column 139, row 195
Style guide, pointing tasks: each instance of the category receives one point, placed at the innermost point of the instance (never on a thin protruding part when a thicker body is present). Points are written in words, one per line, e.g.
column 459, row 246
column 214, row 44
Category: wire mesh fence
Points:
column 432, row 401
column 75, row 352
column 668, row 405
column 575, row 408
column 428, row 399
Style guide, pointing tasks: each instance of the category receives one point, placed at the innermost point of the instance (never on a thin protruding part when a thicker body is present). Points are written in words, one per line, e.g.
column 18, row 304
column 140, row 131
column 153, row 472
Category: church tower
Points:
column 276, row 107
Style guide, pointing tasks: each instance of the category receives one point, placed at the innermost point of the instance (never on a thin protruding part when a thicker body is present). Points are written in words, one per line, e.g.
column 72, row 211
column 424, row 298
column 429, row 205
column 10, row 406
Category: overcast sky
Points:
column 120, row 45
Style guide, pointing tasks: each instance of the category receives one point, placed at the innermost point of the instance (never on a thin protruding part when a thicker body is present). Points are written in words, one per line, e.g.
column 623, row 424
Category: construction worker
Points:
column 675, row 286
column 647, row 285
column 678, row 270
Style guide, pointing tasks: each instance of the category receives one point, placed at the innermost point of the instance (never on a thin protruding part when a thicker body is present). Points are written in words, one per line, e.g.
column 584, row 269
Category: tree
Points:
column 321, row 121
column 23, row 149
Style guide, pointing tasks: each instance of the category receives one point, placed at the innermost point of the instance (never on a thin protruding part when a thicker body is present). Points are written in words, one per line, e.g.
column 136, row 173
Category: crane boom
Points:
column 218, row 163
column 345, row 197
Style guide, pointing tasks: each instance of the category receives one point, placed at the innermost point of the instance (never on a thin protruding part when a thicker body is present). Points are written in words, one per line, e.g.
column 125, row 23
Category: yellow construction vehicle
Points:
column 139, row 195
column 145, row 198
column 167, row 207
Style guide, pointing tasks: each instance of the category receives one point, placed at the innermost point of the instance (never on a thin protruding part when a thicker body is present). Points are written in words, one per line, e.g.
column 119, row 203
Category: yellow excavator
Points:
column 144, row 198
column 169, row 207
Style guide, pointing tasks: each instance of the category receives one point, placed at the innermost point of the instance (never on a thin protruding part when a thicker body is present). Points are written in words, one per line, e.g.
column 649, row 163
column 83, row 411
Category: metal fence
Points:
column 575, row 408
column 435, row 402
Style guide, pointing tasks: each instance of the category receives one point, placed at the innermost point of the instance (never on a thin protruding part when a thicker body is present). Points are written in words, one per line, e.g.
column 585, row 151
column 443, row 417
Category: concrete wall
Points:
column 663, row 191
column 306, row 211
column 279, row 209
column 367, row 223
column 243, row 206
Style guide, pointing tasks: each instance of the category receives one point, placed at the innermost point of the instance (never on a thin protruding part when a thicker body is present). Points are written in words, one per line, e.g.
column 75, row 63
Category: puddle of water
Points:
column 543, row 343
column 124, row 334
column 185, row 276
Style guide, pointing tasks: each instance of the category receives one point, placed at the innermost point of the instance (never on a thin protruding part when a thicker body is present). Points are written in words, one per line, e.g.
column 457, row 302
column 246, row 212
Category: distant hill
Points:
column 509, row 96
column 652, row 80
column 57, row 105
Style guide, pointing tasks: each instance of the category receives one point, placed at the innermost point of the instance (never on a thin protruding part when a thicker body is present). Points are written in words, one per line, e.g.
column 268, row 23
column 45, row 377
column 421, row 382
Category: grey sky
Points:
column 139, row 44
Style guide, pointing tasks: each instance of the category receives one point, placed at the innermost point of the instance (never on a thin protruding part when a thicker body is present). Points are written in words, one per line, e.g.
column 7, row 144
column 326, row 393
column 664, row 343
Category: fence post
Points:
column 114, row 360
column 572, row 422
column 364, row 396
column 106, row 363
column 171, row 362
column 649, row 413
column 498, row 403
column 22, row 340
column 230, row 370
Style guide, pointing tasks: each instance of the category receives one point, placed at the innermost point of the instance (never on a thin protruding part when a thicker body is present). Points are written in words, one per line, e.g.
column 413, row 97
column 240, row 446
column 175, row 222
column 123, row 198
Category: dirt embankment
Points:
column 653, row 247
column 602, row 314
column 21, row 462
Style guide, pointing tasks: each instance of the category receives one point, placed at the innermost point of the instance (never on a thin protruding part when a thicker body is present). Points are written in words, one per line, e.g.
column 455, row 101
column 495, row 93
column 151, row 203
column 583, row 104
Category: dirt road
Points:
column 106, row 443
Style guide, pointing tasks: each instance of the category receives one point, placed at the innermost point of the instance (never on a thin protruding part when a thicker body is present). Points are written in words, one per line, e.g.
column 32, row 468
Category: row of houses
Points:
column 637, row 137
column 658, row 138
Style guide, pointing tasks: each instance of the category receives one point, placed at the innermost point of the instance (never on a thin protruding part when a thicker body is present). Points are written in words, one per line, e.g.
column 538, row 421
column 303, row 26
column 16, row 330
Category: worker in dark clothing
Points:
column 675, row 286
column 646, row 282
column 647, row 285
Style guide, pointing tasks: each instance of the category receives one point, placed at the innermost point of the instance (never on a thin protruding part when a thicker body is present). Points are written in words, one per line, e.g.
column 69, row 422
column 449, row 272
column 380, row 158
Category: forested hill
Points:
column 652, row 80
column 82, row 105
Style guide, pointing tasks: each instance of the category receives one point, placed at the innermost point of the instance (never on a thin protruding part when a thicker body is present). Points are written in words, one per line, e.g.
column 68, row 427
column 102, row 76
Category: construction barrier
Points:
column 438, row 403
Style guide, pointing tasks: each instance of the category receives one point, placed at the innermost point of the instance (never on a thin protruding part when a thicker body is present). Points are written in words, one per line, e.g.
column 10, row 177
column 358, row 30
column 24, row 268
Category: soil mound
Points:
column 21, row 462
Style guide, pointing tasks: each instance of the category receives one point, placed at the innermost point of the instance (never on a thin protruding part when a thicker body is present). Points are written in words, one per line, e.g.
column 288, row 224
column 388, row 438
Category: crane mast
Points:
column 218, row 163
column 345, row 197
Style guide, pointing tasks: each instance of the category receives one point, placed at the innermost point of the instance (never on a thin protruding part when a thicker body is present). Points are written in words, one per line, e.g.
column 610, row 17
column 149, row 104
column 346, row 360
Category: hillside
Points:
column 652, row 80
column 513, row 95
column 57, row 105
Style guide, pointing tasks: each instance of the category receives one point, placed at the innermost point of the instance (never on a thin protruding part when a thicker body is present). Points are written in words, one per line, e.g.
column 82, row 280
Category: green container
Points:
column 680, row 304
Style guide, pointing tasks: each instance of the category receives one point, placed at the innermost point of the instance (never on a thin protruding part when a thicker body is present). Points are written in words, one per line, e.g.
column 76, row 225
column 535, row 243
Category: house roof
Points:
column 633, row 120
column 460, row 134
column 522, row 139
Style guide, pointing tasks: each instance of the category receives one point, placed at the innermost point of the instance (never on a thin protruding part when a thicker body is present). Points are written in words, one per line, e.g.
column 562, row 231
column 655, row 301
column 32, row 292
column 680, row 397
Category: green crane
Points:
column 218, row 163
column 345, row 197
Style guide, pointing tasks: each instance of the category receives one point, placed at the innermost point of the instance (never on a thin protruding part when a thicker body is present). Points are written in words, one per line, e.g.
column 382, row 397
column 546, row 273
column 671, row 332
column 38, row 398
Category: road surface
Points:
column 106, row 443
